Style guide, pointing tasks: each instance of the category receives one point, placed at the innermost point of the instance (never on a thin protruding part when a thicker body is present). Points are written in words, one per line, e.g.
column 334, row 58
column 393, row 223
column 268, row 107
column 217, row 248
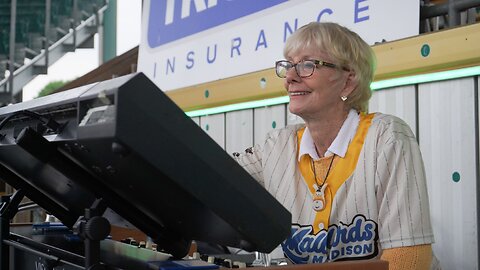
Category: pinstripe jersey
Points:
column 382, row 204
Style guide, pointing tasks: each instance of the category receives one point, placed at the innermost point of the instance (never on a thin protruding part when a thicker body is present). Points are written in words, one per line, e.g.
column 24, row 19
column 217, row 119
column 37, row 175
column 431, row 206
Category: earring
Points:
column 343, row 98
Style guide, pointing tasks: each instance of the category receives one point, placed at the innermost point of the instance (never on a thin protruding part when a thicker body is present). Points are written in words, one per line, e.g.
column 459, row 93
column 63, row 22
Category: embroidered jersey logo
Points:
column 357, row 240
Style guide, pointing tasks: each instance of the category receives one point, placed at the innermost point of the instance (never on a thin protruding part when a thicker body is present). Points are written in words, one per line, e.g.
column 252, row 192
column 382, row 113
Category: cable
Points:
column 47, row 121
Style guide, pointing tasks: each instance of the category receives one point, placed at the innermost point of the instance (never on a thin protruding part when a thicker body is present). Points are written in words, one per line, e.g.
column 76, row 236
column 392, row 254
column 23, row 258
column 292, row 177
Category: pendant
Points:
column 319, row 198
column 318, row 203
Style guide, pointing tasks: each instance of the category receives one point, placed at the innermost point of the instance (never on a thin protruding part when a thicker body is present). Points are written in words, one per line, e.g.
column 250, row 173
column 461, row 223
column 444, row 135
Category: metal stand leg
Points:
column 8, row 209
column 93, row 228
column 4, row 231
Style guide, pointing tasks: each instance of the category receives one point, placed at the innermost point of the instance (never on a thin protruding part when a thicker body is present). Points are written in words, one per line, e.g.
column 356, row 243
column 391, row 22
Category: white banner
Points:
column 188, row 42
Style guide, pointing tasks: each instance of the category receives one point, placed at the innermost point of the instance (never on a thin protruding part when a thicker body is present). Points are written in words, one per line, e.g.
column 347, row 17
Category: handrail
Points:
column 39, row 63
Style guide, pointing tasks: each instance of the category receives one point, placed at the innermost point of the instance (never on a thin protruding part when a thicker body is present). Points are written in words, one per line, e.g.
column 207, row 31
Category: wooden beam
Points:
column 438, row 51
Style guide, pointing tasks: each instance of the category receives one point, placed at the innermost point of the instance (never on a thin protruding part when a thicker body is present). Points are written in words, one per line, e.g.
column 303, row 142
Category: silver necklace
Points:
column 319, row 202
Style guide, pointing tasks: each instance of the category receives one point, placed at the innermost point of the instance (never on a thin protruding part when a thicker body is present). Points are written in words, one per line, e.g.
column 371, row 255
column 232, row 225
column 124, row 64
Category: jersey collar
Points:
column 339, row 146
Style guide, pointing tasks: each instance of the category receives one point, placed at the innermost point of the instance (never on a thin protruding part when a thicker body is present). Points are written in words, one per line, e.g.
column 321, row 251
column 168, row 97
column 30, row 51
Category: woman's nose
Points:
column 291, row 75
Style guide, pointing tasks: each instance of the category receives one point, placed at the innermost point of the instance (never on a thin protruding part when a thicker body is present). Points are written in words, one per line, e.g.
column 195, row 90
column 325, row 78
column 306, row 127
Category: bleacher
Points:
column 436, row 15
column 71, row 23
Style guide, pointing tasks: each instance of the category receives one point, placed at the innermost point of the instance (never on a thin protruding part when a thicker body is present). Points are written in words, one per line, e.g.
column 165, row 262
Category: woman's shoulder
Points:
column 289, row 129
column 288, row 132
column 388, row 121
column 391, row 125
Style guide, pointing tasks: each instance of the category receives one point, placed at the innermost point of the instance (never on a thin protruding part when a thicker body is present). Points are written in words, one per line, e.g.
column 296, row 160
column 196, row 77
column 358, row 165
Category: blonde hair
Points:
column 346, row 48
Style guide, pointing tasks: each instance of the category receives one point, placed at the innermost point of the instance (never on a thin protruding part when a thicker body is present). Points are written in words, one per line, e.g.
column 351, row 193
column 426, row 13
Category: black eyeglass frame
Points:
column 317, row 63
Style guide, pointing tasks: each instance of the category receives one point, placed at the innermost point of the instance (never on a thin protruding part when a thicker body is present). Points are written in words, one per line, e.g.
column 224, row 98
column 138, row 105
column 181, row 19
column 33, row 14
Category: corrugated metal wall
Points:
column 443, row 115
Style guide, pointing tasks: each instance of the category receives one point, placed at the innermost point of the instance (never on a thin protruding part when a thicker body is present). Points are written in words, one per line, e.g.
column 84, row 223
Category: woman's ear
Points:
column 351, row 84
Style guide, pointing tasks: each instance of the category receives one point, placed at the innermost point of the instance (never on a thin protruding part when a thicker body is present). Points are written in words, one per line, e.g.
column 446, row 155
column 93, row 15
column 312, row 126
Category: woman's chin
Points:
column 295, row 110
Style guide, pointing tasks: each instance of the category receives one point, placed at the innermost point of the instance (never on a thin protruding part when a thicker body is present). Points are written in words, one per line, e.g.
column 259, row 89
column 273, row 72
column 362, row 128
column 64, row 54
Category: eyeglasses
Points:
column 304, row 68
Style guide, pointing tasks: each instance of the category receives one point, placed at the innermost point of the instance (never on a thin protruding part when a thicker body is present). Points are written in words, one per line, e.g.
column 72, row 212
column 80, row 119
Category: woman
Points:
column 354, row 182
